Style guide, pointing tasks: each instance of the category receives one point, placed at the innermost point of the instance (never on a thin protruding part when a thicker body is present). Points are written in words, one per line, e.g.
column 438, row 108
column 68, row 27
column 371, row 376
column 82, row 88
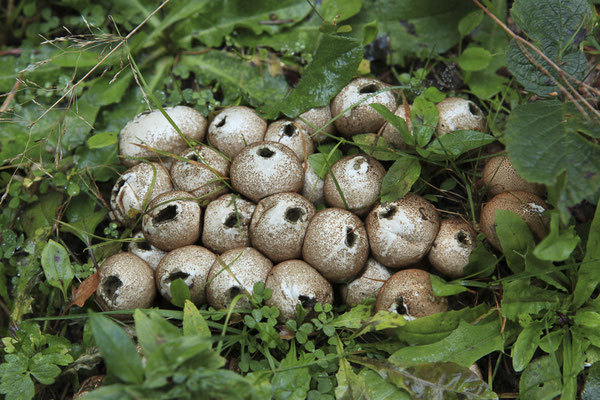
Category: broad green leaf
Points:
column 591, row 387
column 353, row 319
column 291, row 383
column 79, row 58
column 377, row 387
column 465, row 345
column 100, row 162
column 45, row 373
column 375, row 146
column 453, row 145
column 520, row 297
column 57, row 266
column 546, row 271
column 541, row 380
column 41, row 214
column 557, row 246
column 18, row 387
column 431, row 380
column 526, row 345
column 108, row 89
column 117, row 349
column 573, row 362
column 321, row 162
column 482, row 262
column 556, row 28
column 153, row 331
column 588, row 275
column 237, row 77
column 102, row 139
column 515, row 237
column 443, row 288
column 469, row 22
column 397, row 122
column 433, row 328
column 330, row 9
column 180, row 292
column 193, row 321
column 81, row 217
column 349, row 384
column 474, row 59
column 555, row 148
column 333, row 65
column 424, row 119
column 399, row 179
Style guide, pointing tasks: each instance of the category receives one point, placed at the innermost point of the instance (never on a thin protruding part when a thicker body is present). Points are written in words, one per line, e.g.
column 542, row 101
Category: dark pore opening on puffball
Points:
column 463, row 237
column 294, row 214
column 265, row 152
column 474, row 109
column 370, row 88
column 221, row 122
column 400, row 308
column 166, row 214
column 111, row 285
column 144, row 246
column 173, row 276
column 350, row 236
column 307, row 302
column 194, row 157
column 389, row 212
column 289, row 130
column 231, row 221
column 234, row 291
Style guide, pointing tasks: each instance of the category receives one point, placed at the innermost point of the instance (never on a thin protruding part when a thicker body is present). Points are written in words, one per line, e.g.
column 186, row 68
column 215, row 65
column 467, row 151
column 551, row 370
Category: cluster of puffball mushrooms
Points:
column 242, row 209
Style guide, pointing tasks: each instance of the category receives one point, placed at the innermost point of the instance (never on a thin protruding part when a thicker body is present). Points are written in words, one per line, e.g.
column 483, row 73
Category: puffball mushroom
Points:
column 296, row 282
column 153, row 130
column 362, row 118
column 190, row 263
column 365, row 285
column 313, row 186
column 402, row 232
column 391, row 134
column 313, row 120
column 409, row 293
column 202, row 173
column 526, row 205
column 336, row 244
column 359, row 178
column 126, row 282
column 499, row 175
column 235, row 272
column 135, row 189
column 292, row 135
column 454, row 243
column 144, row 250
column 226, row 223
column 279, row 224
column 266, row 168
column 456, row 113
column 173, row 220
column 235, row 128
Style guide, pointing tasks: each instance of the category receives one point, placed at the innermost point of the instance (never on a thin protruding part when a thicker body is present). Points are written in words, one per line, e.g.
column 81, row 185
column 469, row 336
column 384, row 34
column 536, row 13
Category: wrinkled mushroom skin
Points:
column 317, row 119
column 153, row 130
column 144, row 250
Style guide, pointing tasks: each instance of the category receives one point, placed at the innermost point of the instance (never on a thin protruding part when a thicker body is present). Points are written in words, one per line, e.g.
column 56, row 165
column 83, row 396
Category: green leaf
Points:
column 321, row 162
column 397, row 122
column 180, row 292
column 443, row 288
column 556, row 147
column 330, row 9
column 424, row 119
column 526, row 345
column 41, row 214
column 515, row 237
column 100, row 161
column 588, row 275
column 375, row 146
column 57, row 266
column 482, row 262
column 469, row 22
column 591, row 387
column 573, row 362
column 557, row 246
column 102, row 139
column 474, row 59
column 333, row 65
column 291, row 383
column 541, row 380
column 354, row 318
column 556, row 28
column 377, row 387
column 349, row 384
column 45, row 373
column 193, row 322
column 457, row 143
column 465, row 345
column 520, row 297
column 18, row 387
column 117, row 348
column 399, row 179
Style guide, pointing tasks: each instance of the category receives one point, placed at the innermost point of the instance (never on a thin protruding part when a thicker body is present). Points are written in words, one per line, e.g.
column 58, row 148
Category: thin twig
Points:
column 11, row 94
column 101, row 61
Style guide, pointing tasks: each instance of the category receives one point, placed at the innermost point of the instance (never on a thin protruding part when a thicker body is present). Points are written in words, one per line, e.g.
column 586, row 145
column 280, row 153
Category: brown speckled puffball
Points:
column 226, row 223
column 452, row 247
column 292, row 135
column 456, row 113
column 235, row 128
column 367, row 284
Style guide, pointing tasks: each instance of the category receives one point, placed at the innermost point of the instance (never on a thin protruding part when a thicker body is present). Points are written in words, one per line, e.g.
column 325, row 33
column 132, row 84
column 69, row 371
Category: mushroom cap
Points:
column 313, row 186
column 135, row 189
column 362, row 118
column 144, row 250
column 154, row 130
column 235, row 272
column 452, row 247
column 402, row 232
column 294, row 282
column 126, row 282
column 203, row 174
column 365, row 285
column 409, row 292
column 391, row 134
column 336, row 244
column 279, row 224
column 226, row 223
column 526, row 205
column 266, row 168
column 499, row 175
column 315, row 119
column 291, row 134
column 190, row 263
column 173, row 220
column 456, row 113
column 234, row 128
column 359, row 177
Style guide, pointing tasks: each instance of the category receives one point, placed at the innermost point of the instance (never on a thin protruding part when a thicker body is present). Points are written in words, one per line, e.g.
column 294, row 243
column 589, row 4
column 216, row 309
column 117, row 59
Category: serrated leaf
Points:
column 57, row 266
column 588, row 275
column 349, row 384
column 541, row 380
column 520, row 297
column 117, row 349
column 399, row 179
column 465, row 345
column 553, row 148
